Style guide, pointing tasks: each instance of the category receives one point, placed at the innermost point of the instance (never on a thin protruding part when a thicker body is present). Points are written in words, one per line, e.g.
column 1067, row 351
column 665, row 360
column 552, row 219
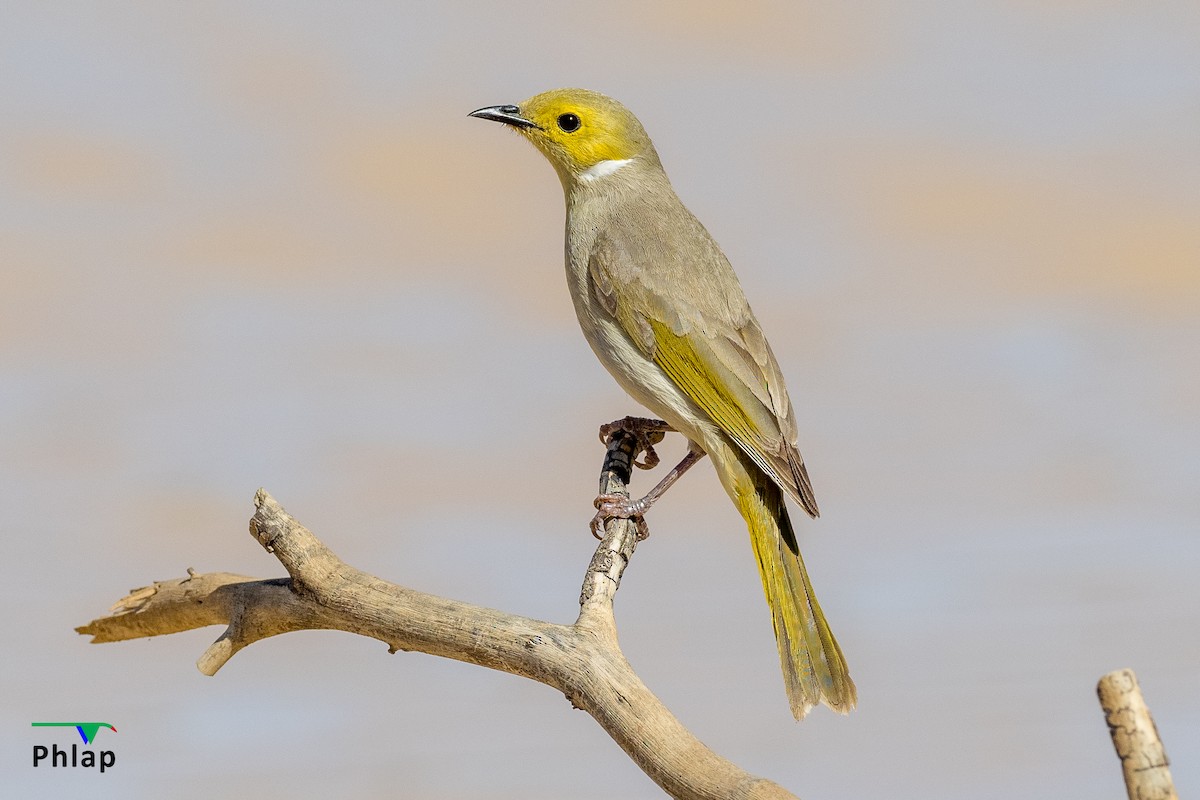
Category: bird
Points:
column 662, row 309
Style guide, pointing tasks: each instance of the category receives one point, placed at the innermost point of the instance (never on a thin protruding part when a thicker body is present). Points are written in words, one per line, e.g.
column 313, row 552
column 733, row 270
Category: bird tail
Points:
column 814, row 669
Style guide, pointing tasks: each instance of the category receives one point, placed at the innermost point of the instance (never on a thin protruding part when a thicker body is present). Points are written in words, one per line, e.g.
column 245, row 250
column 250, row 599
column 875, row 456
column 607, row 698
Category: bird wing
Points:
column 706, row 340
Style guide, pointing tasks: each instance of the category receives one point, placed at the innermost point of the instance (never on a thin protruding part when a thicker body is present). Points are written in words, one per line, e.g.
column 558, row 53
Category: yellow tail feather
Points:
column 814, row 669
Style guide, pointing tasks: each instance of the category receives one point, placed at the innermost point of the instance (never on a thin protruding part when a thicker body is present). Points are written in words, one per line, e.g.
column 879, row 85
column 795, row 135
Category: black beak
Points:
column 509, row 115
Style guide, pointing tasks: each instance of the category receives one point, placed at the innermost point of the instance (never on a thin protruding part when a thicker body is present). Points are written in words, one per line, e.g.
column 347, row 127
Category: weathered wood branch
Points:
column 582, row 660
column 1143, row 760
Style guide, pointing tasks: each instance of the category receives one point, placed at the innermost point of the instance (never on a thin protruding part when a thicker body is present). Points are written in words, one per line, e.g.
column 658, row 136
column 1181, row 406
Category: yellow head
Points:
column 576, row 130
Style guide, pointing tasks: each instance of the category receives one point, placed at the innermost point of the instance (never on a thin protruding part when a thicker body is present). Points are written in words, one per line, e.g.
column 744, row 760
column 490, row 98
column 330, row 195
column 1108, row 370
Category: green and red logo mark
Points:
column 87, row 730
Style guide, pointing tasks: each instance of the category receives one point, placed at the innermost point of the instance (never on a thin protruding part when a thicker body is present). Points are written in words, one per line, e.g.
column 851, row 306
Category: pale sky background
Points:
column 261, row 244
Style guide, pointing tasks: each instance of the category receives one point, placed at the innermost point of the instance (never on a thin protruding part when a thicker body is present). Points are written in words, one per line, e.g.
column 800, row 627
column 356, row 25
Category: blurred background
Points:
column 261, row 244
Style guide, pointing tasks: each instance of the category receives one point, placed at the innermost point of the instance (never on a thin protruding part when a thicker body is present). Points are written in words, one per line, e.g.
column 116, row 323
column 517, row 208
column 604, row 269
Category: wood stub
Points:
column 1143, row 760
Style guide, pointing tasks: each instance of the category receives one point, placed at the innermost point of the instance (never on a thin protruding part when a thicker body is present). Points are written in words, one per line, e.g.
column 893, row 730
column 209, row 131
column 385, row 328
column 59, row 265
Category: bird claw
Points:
column 647, row 433
column 618, row 506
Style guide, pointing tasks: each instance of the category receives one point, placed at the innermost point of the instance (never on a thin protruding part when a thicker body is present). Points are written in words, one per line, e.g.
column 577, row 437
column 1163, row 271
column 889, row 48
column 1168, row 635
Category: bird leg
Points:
column 647, row 432
column 609, row 506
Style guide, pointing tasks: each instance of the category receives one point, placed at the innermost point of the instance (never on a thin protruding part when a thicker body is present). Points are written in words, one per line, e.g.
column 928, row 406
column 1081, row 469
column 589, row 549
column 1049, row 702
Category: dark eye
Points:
column 568, row 122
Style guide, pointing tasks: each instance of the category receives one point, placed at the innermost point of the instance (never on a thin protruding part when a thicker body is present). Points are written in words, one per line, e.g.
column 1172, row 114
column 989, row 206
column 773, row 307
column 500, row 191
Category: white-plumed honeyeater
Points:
column 663, row 310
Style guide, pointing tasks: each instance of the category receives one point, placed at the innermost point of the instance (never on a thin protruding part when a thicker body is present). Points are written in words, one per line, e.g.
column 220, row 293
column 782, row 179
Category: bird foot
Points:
column 618, row 506
column 648, row 432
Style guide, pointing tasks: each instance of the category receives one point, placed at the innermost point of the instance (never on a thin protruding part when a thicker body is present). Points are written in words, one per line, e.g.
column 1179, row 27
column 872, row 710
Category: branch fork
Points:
column 582, row 660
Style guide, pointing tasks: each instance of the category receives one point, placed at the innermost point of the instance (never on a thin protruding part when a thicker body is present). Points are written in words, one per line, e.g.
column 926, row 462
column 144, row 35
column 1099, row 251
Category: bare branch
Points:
column 1143, row 760
column 608, row 563
column 582, row 660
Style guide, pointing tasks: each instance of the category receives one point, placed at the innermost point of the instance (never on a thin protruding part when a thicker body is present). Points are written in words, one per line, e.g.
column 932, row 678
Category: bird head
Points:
column 584, row 134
